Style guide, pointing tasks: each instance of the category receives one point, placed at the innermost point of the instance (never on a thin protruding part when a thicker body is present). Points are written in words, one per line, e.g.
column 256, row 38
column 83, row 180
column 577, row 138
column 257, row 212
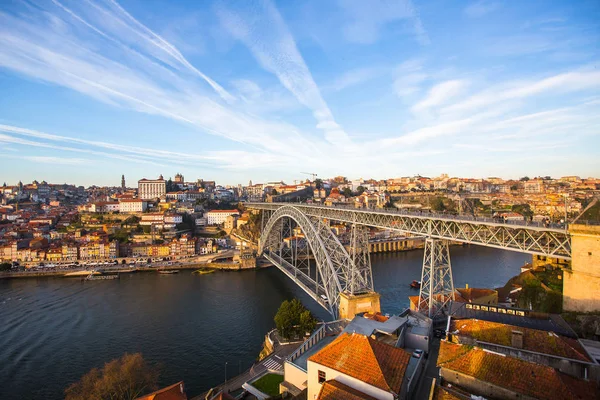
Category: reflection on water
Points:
column 54, row 330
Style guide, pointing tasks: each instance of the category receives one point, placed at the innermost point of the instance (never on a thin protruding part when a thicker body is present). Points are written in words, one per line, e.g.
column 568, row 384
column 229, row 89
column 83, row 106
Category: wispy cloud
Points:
column 356, row 77
column 440, row 94
column 57, row 160
column 367, row 19
column 266, row 34
column 480, row 8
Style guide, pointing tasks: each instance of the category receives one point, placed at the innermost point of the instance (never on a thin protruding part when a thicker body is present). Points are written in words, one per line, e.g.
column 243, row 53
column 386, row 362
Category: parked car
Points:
column 418, row 353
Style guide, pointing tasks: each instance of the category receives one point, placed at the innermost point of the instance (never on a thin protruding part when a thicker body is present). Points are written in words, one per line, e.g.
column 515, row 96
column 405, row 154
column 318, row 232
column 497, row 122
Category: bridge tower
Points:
column 437, row 286
column 359, row 295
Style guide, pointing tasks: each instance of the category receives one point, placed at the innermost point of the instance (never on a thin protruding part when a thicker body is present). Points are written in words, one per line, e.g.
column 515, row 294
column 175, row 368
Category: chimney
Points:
column 517, row 339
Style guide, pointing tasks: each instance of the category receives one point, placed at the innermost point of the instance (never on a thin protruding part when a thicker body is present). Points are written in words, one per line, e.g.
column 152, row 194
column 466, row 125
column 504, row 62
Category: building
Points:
column 149, row 189
column 358, row 364
column 492, row 375
column 217, row 217
column 132, row 205
column 123, row 182
column 173, row 392
column 178, row 178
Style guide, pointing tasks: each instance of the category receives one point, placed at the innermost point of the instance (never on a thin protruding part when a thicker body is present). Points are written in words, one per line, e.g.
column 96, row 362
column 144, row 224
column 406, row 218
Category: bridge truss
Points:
column 522, row 238
column 341, row 270
column 307, row 251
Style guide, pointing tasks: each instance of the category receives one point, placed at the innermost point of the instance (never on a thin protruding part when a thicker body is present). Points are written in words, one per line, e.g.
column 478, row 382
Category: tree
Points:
column 274, row 192
column 293, row 319
column 318, row 183
column 347, row 192
column 360, row 190
column 524, row 179
column 169, row 186
column 437, row 204
column 5, row 266
column 124, row 378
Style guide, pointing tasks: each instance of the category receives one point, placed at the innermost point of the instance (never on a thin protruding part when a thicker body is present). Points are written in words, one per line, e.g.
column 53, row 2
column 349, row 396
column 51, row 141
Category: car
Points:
column 418, row 353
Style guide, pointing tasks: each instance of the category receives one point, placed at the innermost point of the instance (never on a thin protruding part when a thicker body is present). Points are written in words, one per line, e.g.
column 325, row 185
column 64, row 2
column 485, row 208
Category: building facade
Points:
column 152, row 188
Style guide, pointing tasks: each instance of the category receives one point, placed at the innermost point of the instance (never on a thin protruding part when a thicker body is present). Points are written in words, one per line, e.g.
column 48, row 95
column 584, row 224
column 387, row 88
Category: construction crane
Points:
column 314, row 175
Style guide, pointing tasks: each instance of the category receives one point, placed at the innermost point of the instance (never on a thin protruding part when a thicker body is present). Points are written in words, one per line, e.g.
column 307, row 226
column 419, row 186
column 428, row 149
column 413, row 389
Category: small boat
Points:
column 101, row 277
column 203, row 271
column 167, row 272
column 415, row 284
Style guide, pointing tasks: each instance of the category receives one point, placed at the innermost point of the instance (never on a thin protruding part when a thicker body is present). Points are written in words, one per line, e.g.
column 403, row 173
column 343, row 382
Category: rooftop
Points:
column 334, row 390
column 544, row 322
column 526, row 378
column 173, row 392
column 368, row 360
column 533, row 340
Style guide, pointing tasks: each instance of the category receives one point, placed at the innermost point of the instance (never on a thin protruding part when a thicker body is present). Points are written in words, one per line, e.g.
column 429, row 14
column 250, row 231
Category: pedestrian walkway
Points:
column 274, row 363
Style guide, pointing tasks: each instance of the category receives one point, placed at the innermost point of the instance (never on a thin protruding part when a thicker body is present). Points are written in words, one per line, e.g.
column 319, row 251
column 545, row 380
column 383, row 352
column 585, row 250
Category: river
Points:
column 53, row 330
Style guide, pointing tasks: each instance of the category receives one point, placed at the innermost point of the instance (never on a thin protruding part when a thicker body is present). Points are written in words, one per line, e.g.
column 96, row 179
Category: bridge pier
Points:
column 437, row 285
column 581, row 284
column 352, row 304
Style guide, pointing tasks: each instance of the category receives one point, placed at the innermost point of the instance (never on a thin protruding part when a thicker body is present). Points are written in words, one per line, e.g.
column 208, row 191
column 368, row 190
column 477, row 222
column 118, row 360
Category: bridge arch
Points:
column 334, row 266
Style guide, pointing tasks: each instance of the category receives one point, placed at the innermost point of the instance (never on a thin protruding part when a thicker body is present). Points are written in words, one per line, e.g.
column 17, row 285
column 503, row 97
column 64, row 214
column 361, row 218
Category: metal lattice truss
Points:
column 437, row 286
column 333, row 271
column 527, row 239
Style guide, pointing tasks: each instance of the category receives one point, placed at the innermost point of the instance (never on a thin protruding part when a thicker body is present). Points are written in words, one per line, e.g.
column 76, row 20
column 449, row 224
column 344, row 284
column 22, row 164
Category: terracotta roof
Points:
column 472, row 294
column 223, row 396
column 173, row 392
column 533, row 340
column 334, row 390
column 375, row 363
column 529, row 379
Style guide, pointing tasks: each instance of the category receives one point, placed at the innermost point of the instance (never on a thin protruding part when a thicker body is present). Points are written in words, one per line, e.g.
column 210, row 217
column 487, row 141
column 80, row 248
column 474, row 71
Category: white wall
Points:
column 314, row 387
column 294, row 375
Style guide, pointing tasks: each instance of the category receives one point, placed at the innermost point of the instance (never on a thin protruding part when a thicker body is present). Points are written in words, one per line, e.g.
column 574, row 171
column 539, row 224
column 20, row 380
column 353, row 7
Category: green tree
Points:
column 124, row 378
column 523, row 209
column 437, row 204
column 5, row 266
column 293, row 319
column 318, row 183
column 347, row 192
column 360, row 190
column 524, row 179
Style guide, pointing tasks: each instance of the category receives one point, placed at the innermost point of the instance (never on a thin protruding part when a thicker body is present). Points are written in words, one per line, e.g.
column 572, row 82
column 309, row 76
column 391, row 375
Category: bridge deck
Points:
column 519, row 236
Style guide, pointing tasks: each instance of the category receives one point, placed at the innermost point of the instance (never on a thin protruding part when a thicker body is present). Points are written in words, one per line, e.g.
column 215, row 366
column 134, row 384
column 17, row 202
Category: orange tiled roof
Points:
column 530, row 379
column 375, row 363
column 173, row 392
column 443, row 394
column 334, row 390
column 533, row 339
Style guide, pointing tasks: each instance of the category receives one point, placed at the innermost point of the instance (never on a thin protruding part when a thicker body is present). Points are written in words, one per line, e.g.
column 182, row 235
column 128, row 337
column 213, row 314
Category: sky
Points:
column 234, row 91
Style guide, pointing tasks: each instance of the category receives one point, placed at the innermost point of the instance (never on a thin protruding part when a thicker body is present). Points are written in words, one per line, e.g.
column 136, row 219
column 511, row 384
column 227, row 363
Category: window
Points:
column 322, row 377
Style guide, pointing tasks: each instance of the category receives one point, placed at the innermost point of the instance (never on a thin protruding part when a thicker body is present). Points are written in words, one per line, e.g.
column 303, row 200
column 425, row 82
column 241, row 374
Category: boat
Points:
column 415, row 284
column 81, row 273
column 203, row 271
column 101, row 277
column 167, row 272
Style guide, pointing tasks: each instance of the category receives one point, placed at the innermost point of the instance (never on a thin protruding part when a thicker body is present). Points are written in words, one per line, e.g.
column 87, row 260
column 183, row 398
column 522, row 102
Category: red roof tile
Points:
column 366, row 359
column 530, row 379
column 533, row 339
column 173, row 392
column 334, row 390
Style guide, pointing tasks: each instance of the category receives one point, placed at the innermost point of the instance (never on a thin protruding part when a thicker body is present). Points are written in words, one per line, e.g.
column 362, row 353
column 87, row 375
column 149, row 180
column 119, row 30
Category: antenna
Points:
column 314, row 175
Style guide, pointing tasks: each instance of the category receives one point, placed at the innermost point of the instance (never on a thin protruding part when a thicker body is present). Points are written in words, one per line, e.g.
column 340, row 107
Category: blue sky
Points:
column 233, row 91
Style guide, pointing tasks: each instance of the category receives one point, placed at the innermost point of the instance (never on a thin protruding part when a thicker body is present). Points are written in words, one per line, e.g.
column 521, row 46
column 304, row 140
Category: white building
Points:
column 151, row 189
column 358, row 365
column 173, row 219
column 132, row 205
column 217, row 217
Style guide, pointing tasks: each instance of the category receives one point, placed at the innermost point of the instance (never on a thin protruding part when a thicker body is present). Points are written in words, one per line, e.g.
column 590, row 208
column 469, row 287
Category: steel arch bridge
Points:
column 339, row 270
column 290, row 240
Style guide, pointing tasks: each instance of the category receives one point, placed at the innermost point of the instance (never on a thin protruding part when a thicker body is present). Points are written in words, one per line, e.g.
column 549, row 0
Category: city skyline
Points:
column 233, row 92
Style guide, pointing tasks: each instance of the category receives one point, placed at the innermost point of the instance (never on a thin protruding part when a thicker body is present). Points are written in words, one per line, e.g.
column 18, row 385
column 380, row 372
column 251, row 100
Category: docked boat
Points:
column 415, row 284
column 168, row 272
column 81, row 273
column 101, row 277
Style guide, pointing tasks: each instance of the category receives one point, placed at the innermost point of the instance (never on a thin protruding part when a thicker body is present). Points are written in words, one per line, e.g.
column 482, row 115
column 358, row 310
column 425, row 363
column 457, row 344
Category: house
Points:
column 173, row 392
column 485, row 373
column 363, row 365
